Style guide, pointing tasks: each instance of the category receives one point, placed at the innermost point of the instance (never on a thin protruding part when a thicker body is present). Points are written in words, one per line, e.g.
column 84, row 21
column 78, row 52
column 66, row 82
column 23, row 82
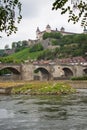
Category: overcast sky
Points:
column 38, row 13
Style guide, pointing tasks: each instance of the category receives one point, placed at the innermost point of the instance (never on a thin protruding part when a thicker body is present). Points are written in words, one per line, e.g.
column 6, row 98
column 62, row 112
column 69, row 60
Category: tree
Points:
column 76, row 5
column 55, row 35
column 36, row 47
column 6, row 47
column 10, row 13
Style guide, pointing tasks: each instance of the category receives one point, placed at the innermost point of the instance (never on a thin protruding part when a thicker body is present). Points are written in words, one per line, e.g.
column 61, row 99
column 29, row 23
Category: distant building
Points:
column 73, row 60
column 9, row 51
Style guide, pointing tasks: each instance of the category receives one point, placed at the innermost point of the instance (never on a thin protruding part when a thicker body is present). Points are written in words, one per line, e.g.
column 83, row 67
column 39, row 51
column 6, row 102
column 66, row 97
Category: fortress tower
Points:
column 48, row 28
column 62, row 29
column 37, row 33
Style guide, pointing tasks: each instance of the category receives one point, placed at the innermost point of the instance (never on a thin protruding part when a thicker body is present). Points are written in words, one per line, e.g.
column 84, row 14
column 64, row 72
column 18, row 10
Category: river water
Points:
column 68, row 112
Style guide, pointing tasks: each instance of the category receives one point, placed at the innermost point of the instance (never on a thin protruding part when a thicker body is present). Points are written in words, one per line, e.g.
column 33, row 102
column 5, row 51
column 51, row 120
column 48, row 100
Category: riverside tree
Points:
column 10, row 14
column 77, row 10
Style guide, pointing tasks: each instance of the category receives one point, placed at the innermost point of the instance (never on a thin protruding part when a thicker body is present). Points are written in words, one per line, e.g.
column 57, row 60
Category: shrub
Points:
column 79, row 78
column 36, row 47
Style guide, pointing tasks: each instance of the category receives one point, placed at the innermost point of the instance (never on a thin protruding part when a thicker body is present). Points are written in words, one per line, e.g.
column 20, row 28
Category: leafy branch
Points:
column 78, row 5
column 10, row 13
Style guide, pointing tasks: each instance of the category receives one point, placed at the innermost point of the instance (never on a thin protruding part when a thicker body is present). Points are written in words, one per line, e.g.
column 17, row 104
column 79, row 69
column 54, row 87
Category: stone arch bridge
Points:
column 31, row 71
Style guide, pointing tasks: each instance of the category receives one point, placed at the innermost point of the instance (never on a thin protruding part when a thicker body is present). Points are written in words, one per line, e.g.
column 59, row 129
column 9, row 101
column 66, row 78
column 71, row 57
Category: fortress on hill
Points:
column 39, row 34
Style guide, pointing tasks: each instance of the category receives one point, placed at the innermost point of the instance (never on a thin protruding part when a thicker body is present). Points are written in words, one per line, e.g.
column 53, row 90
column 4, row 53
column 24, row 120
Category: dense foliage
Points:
column 68, row 46
column 52, row 35
column 4, row 72
column 79, row 78
column 20, row 45
column 9, row 15
column 36, row 47
column 46, row 55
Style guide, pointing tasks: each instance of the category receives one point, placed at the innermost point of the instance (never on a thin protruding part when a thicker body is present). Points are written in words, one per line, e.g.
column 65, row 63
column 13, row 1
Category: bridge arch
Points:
column 13, row 70
column 7, row 73
column 41, row 73
column 67, row 72
column 85, row 71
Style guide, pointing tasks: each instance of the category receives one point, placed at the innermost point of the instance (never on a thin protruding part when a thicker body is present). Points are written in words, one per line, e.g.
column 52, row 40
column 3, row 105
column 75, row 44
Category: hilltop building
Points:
column 39, row 34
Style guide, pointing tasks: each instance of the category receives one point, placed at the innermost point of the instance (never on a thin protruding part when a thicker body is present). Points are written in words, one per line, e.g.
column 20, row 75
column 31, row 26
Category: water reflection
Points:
column 44, row 112
column 6, row 114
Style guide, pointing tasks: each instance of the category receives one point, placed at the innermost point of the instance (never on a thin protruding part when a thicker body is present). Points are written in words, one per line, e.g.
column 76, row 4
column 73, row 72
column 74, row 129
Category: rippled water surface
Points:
column 44, row 112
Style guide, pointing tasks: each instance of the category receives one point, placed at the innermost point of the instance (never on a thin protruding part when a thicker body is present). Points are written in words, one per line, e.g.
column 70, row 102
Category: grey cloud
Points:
column 32, row 8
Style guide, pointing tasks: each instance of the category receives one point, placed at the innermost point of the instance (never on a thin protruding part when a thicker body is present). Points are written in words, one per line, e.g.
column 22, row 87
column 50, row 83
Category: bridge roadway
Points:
column 37, row 71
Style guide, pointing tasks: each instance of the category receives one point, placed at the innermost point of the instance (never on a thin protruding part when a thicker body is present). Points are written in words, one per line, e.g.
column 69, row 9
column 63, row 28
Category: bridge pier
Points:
column 27, row 72
column 78, row 71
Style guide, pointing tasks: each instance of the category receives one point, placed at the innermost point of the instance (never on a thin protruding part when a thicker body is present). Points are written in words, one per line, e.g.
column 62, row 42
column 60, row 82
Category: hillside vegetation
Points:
column 20, row 56
column 64, row 47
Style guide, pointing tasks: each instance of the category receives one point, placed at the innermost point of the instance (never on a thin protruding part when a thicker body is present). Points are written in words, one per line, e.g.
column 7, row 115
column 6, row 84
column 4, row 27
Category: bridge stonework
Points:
column 29, row 71
column 8, row 65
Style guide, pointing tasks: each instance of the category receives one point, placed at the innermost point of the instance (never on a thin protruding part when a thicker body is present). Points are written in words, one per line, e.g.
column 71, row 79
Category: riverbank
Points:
column 78, row 84
column 7, row 86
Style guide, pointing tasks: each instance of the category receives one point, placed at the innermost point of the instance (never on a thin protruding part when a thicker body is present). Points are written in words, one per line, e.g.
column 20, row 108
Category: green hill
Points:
column 20, row 56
